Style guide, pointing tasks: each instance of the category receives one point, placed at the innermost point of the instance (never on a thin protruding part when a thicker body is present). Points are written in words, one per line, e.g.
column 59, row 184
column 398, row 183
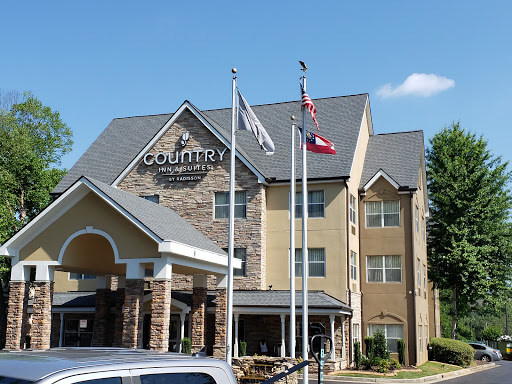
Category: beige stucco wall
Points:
column 90, row 253
column 64, row 284
column 328, row 232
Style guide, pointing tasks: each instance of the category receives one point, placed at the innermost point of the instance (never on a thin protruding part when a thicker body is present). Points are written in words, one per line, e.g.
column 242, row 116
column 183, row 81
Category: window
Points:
column 105, row 380
column 353, row 210
column 423, row 229
column 417, row 219
column 78, row 333
column 382, row 213
column 316, row 264
column 426, row 336
column 420, row 338
column 355, row 333
column 80, row 276
column 240, row 253
column 175, row 378
column 392, row 332
column 152, row 198
column 418, row 273
column 384, row 269
column 353, row 265
column 424, row 276
column 222, row 205
column 316, row 204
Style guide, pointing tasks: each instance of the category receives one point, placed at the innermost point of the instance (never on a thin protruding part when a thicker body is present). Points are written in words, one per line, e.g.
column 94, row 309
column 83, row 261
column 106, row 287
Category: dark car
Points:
column 485, row 353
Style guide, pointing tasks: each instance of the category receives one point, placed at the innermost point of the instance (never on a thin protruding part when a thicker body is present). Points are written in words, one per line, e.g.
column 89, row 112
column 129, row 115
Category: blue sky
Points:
column 97, row 60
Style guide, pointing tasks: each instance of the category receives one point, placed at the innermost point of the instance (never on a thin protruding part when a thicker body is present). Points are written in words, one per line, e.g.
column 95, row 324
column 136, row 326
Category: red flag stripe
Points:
column 307, row 103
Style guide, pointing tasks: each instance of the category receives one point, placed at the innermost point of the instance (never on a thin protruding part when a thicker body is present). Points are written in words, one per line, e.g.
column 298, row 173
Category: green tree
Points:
column 469, row 240
column 491, row 333
column 33, row 139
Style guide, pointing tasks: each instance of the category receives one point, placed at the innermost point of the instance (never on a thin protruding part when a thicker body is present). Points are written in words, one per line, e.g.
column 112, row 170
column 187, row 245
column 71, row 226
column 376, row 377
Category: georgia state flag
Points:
column 318, row 144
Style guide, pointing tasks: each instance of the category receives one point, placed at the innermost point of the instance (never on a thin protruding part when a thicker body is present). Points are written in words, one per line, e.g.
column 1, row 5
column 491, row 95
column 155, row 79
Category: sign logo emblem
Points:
column 184, row 139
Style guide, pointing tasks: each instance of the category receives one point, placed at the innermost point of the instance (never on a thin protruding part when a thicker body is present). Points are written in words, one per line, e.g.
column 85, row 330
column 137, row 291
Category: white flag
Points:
column 247, row 121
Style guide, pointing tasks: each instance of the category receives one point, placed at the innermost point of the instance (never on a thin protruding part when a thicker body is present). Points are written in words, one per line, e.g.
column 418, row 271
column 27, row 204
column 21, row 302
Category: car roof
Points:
column 34, row 365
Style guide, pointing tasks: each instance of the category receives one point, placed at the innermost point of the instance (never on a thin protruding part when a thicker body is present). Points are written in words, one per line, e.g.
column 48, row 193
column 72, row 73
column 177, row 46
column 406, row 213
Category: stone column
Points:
column 132, row 314
column 118, row 322
column 101, row 314
column 161, row 305
column 221, row 310
column 199, row 296
column 16, row 315
column 42, row 307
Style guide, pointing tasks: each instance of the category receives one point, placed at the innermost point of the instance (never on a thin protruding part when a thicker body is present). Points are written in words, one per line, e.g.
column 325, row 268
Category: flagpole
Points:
column 229, row 314
column 292, row 242
column 305, row 269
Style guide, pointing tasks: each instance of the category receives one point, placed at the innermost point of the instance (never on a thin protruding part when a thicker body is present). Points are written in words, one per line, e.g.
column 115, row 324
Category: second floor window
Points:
column 152, row 198
column 80, row 276
column 383, row 213
column 222, row 205
column 384, row 269
column 316, row 265
column 353, row 210
column 316, row 204
column 353, row 265
column 240, row 253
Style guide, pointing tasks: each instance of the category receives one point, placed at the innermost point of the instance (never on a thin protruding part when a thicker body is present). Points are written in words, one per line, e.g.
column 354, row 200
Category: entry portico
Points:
column 97, row 229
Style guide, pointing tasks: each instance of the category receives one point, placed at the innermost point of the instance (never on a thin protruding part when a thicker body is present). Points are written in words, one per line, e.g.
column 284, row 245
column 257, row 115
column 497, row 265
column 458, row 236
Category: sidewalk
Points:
column 426, row 379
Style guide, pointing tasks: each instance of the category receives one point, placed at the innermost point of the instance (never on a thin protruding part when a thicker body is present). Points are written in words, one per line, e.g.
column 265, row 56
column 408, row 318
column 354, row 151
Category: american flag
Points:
column 307, row 103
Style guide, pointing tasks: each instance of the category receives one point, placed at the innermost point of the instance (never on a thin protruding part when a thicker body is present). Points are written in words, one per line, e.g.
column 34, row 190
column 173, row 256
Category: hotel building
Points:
column 131, row 252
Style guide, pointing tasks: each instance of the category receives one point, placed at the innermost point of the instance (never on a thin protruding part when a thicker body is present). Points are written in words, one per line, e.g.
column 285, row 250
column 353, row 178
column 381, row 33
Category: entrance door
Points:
column 174, row 333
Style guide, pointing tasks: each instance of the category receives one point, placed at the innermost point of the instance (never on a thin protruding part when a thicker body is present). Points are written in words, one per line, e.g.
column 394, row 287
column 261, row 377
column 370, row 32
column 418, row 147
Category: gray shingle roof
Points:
column 114, row 149
column 253, row 298
column 163, row 222
column 339, row 118
column 397, row 154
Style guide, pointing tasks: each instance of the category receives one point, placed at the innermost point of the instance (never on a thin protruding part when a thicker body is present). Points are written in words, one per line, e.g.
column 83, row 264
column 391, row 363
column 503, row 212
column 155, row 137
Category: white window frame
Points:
column 355, row 335
column 418, row 272
column 353, row 209
column 424, row 277
column 386, row 331
column 420, row 327
column 298, row 271
column 383, row 269
column 243, row 271
column 382, row 214
column 83, row 276
column 298, row 203
column 226, row 206
column 417, row 219
column 353, row 265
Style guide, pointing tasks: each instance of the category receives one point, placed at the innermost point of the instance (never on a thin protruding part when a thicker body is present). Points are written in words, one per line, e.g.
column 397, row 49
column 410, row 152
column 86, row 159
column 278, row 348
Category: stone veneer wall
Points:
column 221, row 305
column 42, row 315
column 197, row 313
column 99, row 336
column 161, row 315
column 194, row 200
column 132, row 315
column 17, row 305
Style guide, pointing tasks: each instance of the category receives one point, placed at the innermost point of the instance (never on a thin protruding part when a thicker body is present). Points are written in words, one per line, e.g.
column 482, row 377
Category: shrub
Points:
column 401, row 351
column 369, row 343
column 395, row 364
column 383, row 366
column 357, row 354
column 451, row 351
column 380, row 348
column 366, row 363
column 186, row 345
column 243, row 348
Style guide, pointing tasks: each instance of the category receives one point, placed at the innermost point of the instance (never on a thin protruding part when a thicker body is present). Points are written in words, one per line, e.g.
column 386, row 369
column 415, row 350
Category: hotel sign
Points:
column 185, row 165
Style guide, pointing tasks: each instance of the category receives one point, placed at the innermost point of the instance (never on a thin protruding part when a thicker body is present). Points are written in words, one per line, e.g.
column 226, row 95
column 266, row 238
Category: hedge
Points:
column 451, row 351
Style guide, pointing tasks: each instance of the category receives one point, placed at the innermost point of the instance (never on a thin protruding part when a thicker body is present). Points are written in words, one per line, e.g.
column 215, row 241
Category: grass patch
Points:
column 430, row 368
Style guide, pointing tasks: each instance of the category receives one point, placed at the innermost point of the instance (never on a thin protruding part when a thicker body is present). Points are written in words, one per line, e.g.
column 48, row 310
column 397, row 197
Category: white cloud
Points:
column 419, row 84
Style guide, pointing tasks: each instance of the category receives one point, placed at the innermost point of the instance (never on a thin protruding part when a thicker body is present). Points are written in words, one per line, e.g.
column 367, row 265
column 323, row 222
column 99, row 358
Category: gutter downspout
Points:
column 415, row 284
column 347, row 210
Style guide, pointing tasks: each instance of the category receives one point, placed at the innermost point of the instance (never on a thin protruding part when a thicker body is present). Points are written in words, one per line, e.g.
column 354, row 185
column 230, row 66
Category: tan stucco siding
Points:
column 328, row 232
column 91, row 211
column 64, row 284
